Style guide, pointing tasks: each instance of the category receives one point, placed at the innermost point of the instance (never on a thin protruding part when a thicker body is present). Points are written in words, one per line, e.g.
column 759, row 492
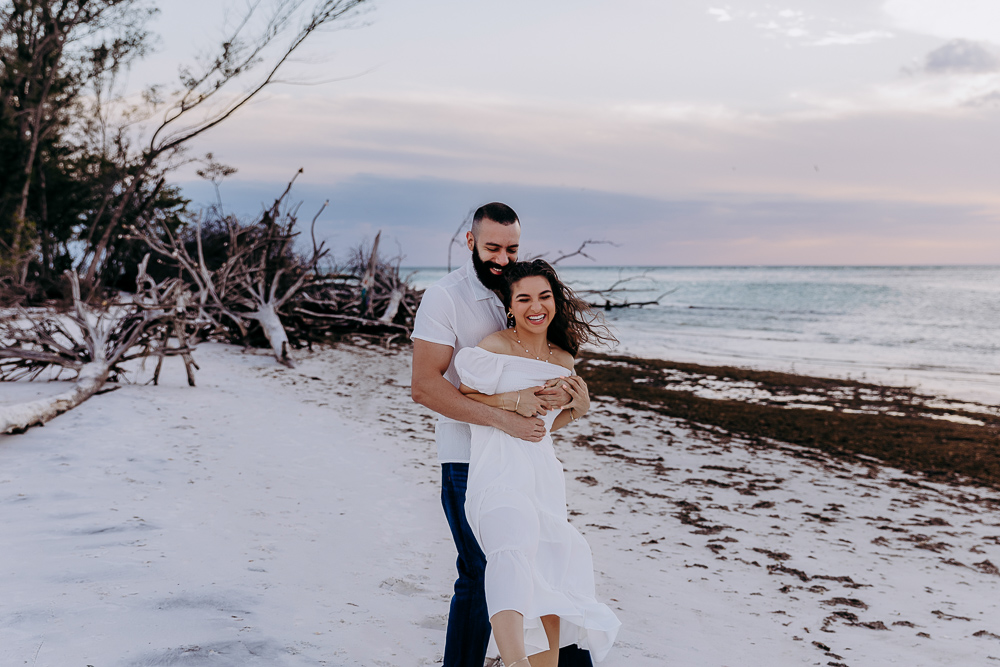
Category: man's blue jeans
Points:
column 468, row 620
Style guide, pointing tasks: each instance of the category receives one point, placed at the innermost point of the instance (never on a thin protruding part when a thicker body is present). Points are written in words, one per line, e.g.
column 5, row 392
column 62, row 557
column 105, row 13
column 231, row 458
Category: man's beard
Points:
column 489, row 279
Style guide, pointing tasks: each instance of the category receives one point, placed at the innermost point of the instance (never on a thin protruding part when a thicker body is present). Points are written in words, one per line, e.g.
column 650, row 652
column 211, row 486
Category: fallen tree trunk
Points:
column 390, row 310
column 257, row 275
column 20, row 417
column 274, row 331
column 368, row 280
column 94, row 341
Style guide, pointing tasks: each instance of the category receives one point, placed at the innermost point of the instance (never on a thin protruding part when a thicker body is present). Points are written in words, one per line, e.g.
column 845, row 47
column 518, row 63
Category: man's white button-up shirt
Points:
column 458, row 311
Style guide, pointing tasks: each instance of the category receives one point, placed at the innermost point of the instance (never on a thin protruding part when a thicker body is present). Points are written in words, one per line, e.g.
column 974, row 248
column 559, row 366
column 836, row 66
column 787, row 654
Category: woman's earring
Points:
column 510, row 318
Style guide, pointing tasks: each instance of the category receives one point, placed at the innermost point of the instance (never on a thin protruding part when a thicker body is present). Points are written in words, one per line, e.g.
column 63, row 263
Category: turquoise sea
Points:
column 936, row 328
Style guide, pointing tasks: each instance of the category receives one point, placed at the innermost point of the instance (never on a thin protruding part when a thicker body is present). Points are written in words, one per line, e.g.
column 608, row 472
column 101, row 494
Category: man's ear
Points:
column 470, row 240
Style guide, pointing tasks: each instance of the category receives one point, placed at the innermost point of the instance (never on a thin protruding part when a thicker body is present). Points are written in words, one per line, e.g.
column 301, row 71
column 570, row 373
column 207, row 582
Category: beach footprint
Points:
column 406, row 586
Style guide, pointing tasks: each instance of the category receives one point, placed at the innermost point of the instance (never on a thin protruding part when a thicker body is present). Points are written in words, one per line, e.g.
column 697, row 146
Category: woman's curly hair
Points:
column 574, row 322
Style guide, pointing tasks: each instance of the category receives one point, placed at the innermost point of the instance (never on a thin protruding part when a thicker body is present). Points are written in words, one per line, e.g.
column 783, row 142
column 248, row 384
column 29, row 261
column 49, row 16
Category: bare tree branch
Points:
column 580, row 251
column 466, row 222
column 235, row 60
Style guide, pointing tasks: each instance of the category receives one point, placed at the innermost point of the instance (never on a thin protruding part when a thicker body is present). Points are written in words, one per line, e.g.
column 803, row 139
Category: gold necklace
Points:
column 518, row 339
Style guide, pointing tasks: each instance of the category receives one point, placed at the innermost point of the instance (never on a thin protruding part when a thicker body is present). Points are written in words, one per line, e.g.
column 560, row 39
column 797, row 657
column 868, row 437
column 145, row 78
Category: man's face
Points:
column 493, row 249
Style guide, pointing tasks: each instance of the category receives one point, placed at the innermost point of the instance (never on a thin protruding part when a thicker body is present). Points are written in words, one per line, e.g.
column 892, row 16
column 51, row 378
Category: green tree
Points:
column 51, row 51
column 81, row 163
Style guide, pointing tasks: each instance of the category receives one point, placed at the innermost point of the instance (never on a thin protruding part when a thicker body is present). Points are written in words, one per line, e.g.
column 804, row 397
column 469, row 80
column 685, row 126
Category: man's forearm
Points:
column 443, row 398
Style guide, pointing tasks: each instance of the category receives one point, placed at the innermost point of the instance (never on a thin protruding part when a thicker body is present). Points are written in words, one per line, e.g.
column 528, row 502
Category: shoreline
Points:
column 929, row 329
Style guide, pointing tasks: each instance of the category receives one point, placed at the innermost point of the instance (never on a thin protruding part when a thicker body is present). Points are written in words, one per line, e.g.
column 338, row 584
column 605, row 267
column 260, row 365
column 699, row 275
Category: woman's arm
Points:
column 430, row 389
column 578, row 405
column 523, row 402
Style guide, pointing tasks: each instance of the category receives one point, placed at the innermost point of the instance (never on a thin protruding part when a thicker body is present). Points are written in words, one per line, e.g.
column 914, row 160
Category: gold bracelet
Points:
column 518, row 401
column 572, row 415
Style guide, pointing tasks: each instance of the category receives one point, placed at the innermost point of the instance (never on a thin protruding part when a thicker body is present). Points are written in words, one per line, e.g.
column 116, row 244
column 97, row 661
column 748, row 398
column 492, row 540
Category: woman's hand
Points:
column 556, row 398
column 529, row 404
column 579, row 395
column 526, row 402
column 579, row 400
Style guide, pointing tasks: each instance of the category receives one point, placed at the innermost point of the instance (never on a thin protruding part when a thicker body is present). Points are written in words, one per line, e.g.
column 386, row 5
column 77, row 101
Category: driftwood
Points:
column 580, row 251
column 171, row 300
column 611, row 295
column 369, row 297
column 18, row 418
column 93, row 341
column 261, row 280
column 258, row 276
column 456, row 239
column 263, row 286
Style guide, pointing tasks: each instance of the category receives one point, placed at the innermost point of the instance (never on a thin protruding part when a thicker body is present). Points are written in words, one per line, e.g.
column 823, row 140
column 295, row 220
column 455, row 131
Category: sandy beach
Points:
column 275, row 516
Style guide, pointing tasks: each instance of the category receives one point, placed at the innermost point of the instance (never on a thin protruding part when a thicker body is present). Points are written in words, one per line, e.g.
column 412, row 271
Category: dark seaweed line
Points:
column 943, row 450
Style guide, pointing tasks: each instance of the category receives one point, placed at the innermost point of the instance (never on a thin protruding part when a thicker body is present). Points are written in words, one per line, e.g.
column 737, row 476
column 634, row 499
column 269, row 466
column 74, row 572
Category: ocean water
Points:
column 936, row 328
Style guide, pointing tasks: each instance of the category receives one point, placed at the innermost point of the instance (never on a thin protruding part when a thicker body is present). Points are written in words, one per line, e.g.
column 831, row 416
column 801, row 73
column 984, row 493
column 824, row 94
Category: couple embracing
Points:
column 493, row 350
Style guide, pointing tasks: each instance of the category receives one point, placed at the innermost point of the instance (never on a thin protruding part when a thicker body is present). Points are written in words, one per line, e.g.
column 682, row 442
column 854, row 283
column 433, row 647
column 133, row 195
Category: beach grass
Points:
column 945, row 440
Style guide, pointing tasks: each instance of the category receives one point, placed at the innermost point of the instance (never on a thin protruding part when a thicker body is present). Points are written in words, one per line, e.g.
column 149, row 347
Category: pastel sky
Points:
column 689, row 131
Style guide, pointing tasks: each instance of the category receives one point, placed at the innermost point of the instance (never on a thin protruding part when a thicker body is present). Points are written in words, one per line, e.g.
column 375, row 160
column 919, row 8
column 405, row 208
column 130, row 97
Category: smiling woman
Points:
column 545, row 308
column 516, row 499
column 533, row 305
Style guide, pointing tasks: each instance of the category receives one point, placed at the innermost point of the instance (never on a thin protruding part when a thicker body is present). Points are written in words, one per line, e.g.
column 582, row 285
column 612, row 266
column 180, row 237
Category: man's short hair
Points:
column 495, row 211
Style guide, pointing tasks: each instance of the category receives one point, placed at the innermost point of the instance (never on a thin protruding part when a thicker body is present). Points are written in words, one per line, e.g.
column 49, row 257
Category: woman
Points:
column 539, row 571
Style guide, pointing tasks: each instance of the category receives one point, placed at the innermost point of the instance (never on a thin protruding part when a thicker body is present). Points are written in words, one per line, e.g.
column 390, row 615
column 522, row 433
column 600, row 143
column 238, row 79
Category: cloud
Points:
column 798, row 27
column 720, row 15
column 991, row 99
column 889, row 149
column 959, row 74
column 832, row 38
column 950, row 19
column 961, row 56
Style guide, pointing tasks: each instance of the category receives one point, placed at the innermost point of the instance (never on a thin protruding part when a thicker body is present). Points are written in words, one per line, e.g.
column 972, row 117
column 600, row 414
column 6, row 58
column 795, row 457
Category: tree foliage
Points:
column 55, row 55
column 83, row 158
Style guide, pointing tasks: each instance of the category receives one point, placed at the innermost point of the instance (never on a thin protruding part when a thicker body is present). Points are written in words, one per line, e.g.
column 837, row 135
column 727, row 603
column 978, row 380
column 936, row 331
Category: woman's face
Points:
column 533, row 304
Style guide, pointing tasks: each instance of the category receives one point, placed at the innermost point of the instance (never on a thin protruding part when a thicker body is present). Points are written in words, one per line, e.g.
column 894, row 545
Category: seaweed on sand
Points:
column 902, row 428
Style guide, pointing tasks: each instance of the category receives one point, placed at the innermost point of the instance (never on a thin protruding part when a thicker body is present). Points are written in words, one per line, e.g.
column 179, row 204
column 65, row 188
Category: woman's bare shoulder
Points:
column 563, row 358
column 496, row 342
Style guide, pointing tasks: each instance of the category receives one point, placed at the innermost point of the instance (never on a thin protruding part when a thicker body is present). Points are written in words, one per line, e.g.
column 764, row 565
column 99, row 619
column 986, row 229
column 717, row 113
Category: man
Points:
column 457, row 312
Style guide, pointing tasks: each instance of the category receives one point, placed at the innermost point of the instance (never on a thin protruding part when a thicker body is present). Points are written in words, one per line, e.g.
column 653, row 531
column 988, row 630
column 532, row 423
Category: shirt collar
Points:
column 478, row 288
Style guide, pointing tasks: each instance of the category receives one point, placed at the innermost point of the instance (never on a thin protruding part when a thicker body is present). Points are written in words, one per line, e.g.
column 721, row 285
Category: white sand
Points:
column 291, row 517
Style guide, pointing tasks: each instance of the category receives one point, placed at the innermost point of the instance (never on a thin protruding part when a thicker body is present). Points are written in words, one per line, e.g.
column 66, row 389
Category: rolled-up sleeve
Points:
column 435, row 320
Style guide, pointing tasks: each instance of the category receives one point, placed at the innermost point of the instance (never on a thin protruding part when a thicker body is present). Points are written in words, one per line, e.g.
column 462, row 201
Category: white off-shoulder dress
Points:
column 536, row 562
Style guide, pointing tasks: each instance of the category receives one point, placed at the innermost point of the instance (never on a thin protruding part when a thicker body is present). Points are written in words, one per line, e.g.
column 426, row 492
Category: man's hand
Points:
column 531, row 429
